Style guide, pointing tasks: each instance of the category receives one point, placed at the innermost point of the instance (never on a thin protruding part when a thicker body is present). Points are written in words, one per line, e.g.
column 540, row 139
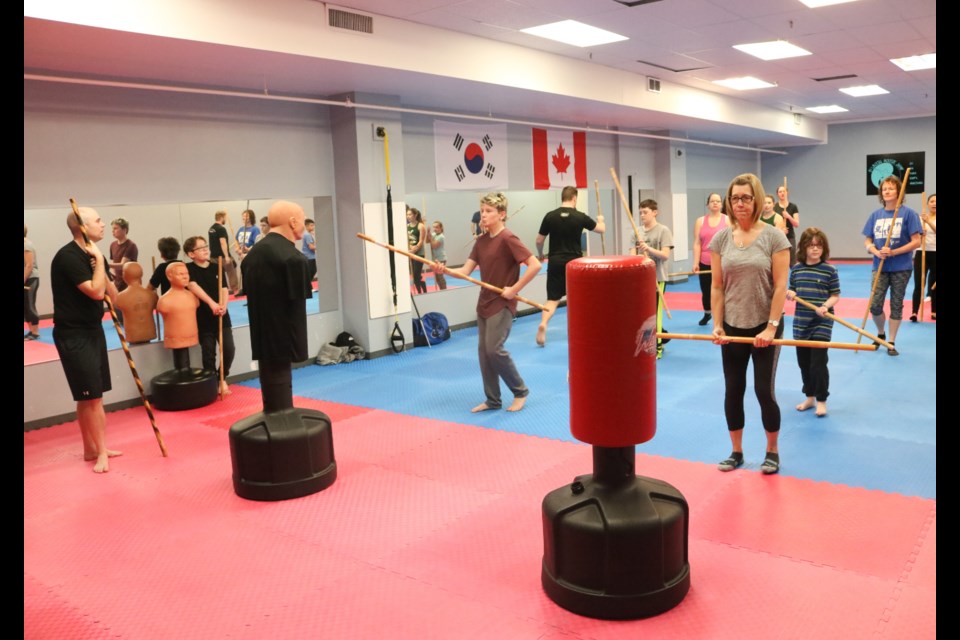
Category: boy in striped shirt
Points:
column 817, row 282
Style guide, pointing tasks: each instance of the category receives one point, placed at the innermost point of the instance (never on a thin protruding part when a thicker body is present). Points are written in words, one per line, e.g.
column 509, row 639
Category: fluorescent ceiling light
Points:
column 864, row 90
column 915, row 63
column 775, row 50
column 743, row 84
column 813, row 4
column 575, row 33
column 830, row 108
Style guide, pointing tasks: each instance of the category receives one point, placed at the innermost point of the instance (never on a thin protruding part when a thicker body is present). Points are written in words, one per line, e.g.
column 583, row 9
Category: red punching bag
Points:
column 612, row 323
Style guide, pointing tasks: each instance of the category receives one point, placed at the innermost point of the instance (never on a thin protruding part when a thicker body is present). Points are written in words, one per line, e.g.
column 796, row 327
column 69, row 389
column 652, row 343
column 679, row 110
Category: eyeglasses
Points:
column 814, row 246
column 203, row 248
column 745, row 199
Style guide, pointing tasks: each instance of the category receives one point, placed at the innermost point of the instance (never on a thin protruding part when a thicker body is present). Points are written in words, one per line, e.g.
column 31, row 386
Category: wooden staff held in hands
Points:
column 89, row 247
column 456, row 274
column 885, row 252
column 637, row 232
column 827, row 314
column 813, row 344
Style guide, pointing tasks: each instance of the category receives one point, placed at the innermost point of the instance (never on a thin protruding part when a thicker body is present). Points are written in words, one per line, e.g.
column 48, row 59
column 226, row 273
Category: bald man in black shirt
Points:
column 277, row 283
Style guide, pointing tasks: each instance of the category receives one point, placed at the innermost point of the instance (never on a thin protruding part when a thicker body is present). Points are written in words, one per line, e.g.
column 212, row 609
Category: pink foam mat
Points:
column 433, row 530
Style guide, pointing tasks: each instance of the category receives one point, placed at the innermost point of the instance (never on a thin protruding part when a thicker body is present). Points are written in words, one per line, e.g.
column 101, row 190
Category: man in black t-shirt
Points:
column 276, row 280
column 564, row 226
column 219, row 241
column 79, row 282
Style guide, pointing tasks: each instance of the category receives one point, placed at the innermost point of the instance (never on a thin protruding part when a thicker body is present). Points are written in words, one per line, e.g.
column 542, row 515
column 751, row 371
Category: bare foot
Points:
column 806, row 404
column 110, row 454
column 517, row 404
column 821, row 409
column 481, row 407
column 103, row 464
column 541, row 335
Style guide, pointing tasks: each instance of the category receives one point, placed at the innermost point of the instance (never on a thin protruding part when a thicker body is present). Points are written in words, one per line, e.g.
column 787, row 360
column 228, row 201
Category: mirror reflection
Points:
column 137, row 233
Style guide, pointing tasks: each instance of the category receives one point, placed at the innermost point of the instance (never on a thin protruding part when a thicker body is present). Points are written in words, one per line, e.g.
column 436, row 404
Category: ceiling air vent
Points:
column 349, row 20
column 653, row 85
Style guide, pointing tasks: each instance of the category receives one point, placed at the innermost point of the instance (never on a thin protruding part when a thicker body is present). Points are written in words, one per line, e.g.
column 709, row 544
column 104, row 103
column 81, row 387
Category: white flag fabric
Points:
column 470, row 157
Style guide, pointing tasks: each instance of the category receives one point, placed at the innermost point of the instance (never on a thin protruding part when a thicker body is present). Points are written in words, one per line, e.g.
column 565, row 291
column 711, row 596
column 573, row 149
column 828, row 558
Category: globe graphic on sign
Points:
column 879, row 172
column 473, row 157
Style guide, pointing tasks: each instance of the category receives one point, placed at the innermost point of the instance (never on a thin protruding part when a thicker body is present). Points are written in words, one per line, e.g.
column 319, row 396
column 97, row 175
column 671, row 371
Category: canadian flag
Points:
column 559, row 159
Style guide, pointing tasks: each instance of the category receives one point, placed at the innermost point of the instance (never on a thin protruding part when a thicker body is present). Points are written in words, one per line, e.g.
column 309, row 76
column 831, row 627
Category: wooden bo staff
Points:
column 483, row 284
column 233, row 237
column 156, row 316
column 849, row 325
column 813, row 344
column 603, row 244
column 220, row 320
column 688, row 273
column 123, row 340
column 636, row 231
column 893, row 222
column 923, row 255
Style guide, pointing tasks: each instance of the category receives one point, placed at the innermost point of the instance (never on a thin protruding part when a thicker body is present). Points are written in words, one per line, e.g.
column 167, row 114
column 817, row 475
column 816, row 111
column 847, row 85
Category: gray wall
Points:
column 828, row 182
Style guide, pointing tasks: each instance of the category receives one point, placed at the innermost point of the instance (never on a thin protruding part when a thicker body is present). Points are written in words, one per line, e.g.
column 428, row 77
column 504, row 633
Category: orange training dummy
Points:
column 137, row 304
column 178, row 306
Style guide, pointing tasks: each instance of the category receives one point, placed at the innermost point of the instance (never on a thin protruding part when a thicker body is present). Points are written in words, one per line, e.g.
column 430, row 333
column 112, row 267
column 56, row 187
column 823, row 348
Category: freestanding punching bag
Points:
column 614, row 543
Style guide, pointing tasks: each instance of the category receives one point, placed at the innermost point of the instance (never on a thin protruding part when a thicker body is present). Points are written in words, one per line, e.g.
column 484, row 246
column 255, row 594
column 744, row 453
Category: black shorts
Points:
column 557, row 278
column 83, row 354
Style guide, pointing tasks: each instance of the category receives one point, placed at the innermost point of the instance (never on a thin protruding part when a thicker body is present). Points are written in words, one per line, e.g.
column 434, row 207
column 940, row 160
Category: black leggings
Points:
column 30, row 315
column 418, row 276
column 736, row 357
column 705, row 283
column 930, row 281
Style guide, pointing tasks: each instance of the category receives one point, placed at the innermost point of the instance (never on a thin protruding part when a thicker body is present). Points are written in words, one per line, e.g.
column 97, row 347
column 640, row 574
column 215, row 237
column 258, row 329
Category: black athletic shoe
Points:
column 705, row 319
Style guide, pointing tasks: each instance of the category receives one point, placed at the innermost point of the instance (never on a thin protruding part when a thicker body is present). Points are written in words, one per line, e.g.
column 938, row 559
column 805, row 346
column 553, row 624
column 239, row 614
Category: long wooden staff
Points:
column 233, row 238
column 636, row 231
column 156, row 316
column 123, row 341
column 687, row 273
column 876, row 278
column 923, row 256
column 849, row 325
column 813, row 344
column 603, row 244
column 236, row 247
column 220, row 319
column 414, row 256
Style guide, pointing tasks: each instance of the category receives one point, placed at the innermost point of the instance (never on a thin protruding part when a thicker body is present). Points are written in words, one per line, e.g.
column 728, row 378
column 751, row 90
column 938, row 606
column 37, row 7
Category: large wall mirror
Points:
column 47, row 230
column 525, row 211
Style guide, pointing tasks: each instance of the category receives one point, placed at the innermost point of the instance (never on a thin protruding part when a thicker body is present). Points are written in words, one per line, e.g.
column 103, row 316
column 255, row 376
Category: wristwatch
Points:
column 775, row 323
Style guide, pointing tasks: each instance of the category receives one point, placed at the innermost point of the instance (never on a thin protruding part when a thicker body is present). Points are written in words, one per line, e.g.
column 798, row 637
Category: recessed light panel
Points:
column 575, row 33
column 830, row 108
column 775, row 50
column 744, row 84
column 864, row 90
column 815, row 4
column 915, row 63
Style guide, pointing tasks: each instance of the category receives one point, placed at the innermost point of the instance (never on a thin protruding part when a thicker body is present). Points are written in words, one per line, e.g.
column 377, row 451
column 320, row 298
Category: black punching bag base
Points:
column 615, row 551
column 283, row 454
column 182, row 389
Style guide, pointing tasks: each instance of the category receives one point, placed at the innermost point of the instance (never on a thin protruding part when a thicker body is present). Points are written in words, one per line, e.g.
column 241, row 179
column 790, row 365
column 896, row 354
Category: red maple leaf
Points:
column 561, row 161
